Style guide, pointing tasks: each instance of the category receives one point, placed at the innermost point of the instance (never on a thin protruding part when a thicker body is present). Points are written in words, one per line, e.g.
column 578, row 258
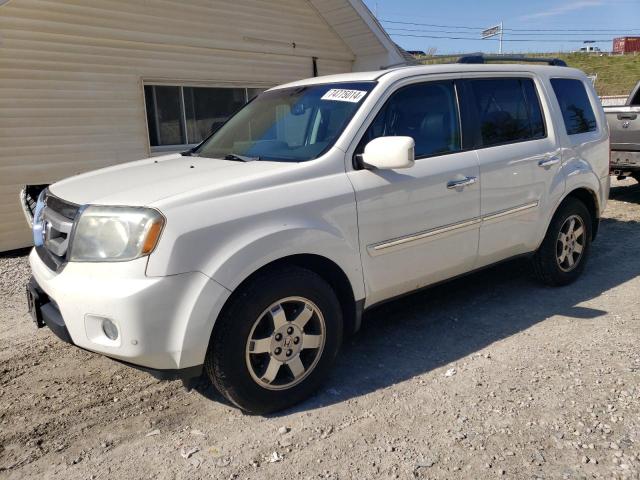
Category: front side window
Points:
column 575, row 105
column 426, row 112
column 288, row 124
column 507, row 109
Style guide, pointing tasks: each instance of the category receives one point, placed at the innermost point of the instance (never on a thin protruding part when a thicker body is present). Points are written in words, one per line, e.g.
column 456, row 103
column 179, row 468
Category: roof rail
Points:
column 481, row 58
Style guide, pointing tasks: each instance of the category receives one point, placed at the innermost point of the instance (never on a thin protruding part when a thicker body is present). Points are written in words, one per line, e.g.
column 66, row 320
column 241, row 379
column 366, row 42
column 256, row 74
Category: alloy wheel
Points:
column 571, row 243
column 285, row 343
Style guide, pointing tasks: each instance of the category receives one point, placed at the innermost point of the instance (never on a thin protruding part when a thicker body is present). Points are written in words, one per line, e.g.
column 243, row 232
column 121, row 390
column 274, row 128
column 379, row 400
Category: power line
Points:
column 557, row 40
column 419, row 30
column 432, row 25
column 586, row 30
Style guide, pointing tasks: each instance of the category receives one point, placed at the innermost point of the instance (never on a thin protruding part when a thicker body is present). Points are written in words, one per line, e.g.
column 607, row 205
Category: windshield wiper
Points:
column 189, row 153
column 240, row 158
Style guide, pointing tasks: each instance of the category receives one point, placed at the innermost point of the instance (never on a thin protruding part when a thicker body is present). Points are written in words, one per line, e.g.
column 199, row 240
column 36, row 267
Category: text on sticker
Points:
column 343, row 95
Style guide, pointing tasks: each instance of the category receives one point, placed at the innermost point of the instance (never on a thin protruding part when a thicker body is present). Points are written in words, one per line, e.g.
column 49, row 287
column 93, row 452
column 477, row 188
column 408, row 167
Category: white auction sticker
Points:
column 343, row 95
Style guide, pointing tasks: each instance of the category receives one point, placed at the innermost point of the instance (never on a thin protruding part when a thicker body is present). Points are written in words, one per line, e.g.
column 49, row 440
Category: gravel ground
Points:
column 14, row 273
column 489, row 376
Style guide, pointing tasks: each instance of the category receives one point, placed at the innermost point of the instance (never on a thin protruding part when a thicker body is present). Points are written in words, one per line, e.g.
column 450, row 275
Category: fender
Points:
column 240, row 249
column 578, row 174
column 241, row 257
column 242, row 238
column 244, row 257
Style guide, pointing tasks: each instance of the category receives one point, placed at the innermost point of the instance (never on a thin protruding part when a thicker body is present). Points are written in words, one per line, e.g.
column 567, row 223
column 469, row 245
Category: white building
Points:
column 89, row 83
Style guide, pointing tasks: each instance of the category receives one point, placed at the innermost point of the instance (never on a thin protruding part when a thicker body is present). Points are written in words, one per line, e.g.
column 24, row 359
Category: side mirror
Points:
column 389, row 153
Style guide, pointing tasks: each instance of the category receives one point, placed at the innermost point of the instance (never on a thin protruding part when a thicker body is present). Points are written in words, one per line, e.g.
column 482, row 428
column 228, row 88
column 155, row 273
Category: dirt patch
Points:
column 489, row 376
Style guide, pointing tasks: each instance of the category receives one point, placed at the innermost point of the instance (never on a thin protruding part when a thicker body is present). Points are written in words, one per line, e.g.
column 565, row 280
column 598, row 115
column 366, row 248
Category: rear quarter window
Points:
column 575, row 106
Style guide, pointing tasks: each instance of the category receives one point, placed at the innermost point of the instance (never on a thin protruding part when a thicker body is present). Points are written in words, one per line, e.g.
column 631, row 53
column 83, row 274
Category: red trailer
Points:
column 626, row 44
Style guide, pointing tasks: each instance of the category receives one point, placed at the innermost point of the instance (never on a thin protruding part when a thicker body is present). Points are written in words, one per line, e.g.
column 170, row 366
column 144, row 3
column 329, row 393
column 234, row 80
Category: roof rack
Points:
column 481, row 58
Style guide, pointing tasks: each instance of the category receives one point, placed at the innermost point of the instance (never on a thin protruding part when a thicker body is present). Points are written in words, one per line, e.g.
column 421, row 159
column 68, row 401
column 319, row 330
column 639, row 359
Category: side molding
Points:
column 416, row 238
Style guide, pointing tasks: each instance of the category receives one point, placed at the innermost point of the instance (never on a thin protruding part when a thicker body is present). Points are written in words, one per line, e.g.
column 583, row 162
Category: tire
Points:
column 560, row 260
column 294, row 303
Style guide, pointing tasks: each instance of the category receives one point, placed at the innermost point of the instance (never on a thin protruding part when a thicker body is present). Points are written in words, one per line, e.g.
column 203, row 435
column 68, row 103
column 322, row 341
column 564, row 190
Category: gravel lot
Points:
column 489, row 376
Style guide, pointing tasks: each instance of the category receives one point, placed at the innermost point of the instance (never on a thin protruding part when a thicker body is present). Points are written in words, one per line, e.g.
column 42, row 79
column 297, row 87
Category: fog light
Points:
column 109, row 328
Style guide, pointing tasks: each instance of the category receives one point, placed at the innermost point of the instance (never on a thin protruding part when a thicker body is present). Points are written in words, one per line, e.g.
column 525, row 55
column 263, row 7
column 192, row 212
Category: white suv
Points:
column 250, row 256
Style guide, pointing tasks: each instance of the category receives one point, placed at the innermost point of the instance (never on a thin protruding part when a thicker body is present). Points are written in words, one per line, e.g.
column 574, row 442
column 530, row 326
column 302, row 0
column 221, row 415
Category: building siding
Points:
column 349, row 25
column 72, row 71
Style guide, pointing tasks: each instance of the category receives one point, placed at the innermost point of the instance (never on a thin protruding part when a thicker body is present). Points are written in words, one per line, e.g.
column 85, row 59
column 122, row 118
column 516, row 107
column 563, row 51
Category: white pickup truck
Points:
column 624, row 125
column 252, row 255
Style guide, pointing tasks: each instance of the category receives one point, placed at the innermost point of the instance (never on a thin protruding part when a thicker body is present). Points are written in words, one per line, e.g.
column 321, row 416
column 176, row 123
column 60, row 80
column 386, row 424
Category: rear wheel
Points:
column 276, row 341
column 562, row 256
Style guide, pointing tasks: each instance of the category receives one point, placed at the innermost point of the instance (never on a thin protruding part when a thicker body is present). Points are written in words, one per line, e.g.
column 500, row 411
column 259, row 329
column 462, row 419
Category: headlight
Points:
column 115, row 234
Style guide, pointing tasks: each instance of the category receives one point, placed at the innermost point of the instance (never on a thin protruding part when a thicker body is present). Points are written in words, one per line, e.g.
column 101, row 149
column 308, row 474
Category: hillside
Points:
column 616, row 74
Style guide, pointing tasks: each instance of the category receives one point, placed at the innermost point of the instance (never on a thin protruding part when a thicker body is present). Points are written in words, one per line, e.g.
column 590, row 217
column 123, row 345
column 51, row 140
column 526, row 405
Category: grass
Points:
column 617, row 75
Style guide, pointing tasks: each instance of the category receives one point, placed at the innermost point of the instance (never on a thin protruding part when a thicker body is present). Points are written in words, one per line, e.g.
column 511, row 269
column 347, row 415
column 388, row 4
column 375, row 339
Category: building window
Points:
column 179, row 115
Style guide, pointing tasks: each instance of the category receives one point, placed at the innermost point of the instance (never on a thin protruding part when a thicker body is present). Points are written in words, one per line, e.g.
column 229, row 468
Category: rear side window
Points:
column 427, row 112
column 507, row 109
column 575, row 105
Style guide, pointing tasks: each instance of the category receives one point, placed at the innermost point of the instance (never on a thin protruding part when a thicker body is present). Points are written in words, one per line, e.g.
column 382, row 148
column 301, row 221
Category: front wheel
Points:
column 276, row 340
column 563, row 254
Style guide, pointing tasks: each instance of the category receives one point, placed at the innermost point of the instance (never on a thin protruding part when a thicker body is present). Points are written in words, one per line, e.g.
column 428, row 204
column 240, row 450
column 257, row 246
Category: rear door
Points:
column 519, row 161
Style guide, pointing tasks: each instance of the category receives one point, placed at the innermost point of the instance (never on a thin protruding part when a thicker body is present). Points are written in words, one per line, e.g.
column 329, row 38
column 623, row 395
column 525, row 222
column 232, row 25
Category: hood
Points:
column 148, row 181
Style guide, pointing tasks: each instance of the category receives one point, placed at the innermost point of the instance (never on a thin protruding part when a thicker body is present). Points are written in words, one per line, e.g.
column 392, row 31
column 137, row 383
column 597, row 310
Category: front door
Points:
column 418, row 225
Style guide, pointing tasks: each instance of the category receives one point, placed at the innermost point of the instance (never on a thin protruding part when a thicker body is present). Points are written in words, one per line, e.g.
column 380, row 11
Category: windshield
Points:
column 290, row 124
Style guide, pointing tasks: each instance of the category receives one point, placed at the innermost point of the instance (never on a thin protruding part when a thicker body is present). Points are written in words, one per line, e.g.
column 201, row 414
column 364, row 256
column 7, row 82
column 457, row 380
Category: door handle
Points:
column 549, row 161
column 452, row 184
column 627, row 116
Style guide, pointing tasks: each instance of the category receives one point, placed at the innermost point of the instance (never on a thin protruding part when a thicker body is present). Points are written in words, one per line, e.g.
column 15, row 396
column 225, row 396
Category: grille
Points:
column 57, row 219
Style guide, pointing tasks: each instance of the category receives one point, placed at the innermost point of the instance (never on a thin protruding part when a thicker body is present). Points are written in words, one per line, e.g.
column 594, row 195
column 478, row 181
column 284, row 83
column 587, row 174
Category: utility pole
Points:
column 501, row 29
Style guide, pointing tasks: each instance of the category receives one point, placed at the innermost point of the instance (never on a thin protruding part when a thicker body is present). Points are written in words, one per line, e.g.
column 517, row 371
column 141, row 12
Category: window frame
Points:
column 177, row 147
column 359, row 137
column 594, row 110
column 474, row 129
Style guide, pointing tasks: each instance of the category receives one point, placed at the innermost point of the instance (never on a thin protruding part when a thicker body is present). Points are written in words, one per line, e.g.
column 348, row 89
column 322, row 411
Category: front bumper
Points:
column 50, row 316
column 164, row 323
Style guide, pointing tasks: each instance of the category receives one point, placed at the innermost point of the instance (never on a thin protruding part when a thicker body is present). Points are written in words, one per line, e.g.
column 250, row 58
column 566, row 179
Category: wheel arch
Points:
column 585, row 194
column 329, row 271
column 589, row 198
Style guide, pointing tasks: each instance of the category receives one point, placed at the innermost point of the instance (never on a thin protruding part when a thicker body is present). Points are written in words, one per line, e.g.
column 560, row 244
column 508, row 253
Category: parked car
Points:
column 624, row 125
column 588, row 49
column 252, row 255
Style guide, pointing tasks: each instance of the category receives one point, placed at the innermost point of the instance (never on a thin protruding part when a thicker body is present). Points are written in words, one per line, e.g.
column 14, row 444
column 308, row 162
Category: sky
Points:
column 412, row 23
